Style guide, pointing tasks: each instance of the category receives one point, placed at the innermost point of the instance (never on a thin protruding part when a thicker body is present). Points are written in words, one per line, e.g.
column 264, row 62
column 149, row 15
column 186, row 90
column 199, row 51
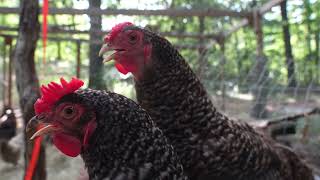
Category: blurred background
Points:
column 258, row 59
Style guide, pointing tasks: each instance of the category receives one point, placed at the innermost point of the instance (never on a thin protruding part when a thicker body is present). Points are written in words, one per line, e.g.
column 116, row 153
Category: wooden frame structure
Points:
column 249, row 18
column 209, row 12
column 252, row 18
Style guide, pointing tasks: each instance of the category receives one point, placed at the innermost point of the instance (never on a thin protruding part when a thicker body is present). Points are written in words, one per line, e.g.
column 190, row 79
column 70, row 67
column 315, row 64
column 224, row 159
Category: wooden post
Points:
column 59, row 50
column 78, row 58
column 96, row 69
column 201, row 49
column 222, row 75
column 4, row 67
column 259, row 33
column 9, row 42
column 259, row 74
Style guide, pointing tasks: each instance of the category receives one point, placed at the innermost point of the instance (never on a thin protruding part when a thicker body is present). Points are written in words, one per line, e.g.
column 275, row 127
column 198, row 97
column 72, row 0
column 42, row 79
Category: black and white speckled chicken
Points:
column 8, row 127
column 115, row 137
column 209, row 144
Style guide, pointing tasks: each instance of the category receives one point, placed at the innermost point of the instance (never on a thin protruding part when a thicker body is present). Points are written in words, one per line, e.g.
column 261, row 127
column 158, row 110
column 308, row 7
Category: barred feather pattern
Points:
column 209, row 144
column 126, row 144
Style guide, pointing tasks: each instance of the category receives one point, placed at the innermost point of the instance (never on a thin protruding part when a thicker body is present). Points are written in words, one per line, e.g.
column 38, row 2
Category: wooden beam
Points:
column 179, row 46
column 291, row 118
column 269, row 5
column 167, row 34
column 190, row 35
column 208, row 12
column 49, row 38
column 237, row 27
column 262, row 10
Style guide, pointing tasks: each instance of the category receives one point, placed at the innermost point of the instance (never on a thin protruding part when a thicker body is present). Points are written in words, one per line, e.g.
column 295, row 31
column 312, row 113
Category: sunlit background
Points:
column 229, row 84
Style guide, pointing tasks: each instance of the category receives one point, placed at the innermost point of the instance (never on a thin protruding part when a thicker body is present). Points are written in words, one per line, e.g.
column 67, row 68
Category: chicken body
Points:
column 9, row 151
column 126, row 144
column 115, row 137
column 210, row 145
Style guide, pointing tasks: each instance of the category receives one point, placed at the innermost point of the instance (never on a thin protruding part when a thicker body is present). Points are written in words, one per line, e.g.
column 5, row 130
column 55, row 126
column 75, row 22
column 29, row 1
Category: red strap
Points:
column 45, row 10
column 34, row 159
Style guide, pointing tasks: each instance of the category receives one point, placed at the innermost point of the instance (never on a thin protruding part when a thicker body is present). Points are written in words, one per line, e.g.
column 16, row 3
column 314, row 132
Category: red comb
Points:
column 53, row 92
column 115, row 30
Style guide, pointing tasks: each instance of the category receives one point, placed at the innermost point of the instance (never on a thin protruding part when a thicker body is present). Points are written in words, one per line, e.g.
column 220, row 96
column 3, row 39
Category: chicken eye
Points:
column 68, row 112
column 133, row 38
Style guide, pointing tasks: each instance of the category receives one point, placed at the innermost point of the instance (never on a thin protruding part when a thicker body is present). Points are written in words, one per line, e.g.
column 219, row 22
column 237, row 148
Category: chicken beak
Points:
column 107, row 52
column 42, row 128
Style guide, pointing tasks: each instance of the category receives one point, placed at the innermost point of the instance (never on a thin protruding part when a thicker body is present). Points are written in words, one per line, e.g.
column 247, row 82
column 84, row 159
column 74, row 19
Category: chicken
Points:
column 8, row 127
column 8, row 124
column 115, row 137
column 10, row 150
column 209, row 144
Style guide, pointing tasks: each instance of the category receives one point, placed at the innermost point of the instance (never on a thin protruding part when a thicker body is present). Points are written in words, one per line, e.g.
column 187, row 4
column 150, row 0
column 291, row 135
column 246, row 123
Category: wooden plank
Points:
column 208, row 12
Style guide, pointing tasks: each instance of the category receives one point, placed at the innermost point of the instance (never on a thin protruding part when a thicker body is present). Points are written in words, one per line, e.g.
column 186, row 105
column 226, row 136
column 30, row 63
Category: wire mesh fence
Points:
column 239, row 94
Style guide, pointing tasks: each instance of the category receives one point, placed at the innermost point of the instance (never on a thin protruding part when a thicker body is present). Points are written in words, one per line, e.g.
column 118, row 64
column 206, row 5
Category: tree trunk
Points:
column 26, row 76
column 96, row 69
column 288, row 48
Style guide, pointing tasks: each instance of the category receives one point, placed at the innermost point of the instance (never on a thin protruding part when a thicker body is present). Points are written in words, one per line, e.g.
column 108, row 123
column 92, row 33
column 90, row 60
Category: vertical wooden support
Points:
column 9, row 42
column 96, row 69
column 258, row 30
column 59, row 57
column 222, row 75
column 78, row 59
column 7, row 76
column 4, row 67
column 259, row 74
column 202, row 49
